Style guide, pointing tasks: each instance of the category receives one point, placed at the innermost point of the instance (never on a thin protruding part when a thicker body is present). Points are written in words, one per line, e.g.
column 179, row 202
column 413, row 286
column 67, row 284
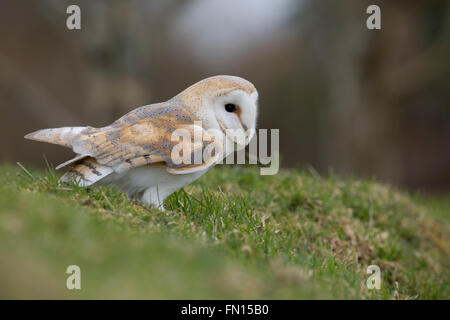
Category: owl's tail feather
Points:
column 86, row 171
column 61, row 136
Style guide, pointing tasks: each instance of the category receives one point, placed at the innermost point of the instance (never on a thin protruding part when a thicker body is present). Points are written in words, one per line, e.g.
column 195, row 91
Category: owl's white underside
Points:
column 150, row 184
column 153, row 184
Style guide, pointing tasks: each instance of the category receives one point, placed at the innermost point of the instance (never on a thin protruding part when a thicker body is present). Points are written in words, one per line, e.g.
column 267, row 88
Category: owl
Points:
column 135, row 153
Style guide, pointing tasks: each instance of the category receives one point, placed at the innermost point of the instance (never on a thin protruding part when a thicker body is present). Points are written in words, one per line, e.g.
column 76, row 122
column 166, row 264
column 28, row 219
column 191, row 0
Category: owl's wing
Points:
column 145, row 136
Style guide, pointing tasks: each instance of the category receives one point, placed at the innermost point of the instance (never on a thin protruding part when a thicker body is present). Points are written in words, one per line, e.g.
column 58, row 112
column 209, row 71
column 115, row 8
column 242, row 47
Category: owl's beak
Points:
column 249, row 135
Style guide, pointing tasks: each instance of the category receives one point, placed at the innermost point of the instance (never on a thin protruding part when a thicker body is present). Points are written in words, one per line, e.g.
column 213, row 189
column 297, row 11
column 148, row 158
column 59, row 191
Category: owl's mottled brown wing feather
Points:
column 142, row 137
column 86, row 171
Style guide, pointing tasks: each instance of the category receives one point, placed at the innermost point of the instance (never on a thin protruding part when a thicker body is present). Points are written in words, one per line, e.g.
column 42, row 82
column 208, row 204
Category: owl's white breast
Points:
column 138, row 180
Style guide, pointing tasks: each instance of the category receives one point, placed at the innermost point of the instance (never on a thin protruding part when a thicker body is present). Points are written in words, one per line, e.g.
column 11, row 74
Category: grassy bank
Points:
column 232, row 234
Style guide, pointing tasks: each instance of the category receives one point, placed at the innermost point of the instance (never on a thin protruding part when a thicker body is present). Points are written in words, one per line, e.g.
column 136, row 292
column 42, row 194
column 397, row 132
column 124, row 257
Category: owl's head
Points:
column 226, row 103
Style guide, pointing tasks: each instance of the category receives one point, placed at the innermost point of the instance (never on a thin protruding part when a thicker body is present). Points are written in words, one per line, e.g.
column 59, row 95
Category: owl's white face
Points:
column 236, row 110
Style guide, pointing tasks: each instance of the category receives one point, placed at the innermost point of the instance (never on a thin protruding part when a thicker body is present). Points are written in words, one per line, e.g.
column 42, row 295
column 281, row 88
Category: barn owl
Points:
column 134, row 153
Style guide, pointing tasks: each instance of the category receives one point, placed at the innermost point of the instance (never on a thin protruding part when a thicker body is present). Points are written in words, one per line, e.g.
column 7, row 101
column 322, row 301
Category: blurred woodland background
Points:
column 364, row 102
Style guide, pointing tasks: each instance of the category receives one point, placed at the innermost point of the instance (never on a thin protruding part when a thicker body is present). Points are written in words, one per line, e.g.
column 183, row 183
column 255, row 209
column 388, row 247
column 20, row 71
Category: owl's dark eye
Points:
column 230, row 107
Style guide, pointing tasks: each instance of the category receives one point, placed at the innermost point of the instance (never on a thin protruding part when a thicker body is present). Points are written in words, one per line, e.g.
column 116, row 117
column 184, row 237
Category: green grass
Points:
column 232, row 234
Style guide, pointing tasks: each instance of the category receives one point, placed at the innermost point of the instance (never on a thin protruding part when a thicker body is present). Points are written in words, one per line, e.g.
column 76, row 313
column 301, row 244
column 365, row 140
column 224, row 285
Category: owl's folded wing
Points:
column 135, row 142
